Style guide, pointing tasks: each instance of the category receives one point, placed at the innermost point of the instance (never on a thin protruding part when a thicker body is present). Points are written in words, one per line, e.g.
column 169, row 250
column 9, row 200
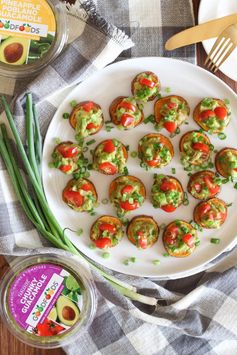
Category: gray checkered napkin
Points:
column 199, row 315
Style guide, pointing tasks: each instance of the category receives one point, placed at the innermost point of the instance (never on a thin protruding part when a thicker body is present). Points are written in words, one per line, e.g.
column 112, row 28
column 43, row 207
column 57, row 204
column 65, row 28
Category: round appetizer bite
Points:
column 171, row 112
column 145, row 86
column 212, row 115
column 127, row 193
column 226, row 162
column 210, row 214
column 143, row 231
column 180, row 239
column 65, row 157
column 86, row 118
column 80, row 195
column 203, row 185
column 195, row 148
column 155, row 151
column 125, row 112
column 110, row 157
column 166, row 193
column 106, row 232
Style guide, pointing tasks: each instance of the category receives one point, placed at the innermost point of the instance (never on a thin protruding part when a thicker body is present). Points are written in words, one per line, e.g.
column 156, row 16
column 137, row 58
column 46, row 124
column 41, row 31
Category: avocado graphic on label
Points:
column 53, row 314
column 68, row 312
column 14, row 50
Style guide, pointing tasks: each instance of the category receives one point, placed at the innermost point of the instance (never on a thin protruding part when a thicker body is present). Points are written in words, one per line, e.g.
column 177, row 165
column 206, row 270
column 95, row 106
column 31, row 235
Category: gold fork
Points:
column 222, row 48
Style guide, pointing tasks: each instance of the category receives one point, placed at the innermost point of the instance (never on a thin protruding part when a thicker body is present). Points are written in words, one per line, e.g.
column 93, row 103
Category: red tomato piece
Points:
column 170, row 126
column 168, row 208
column 173, row 231
column 169, row 239
column 188, row 239
column 103, row 243
column 74, row 197
column 197, row 187
column 126, row 120
column 142, row 241
column 91, row 126
column 221, row 112
column 125, row 205
column 213, row 189
column 127, row 106
column 88, row 106
column 202, row 147
column 65, row 168
column 67, row 151
column 109, row 146
column 204, row 115
column 204, row 208
column 127, row 189
column 86, row 187
column 107, row 227
column 108, row 168
column 172, row 105
column 153, row 162
column 147, row 82
column 167, row 185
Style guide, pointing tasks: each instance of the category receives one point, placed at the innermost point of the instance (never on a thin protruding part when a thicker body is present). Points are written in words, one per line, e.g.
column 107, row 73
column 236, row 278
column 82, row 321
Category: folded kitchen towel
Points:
column 196, row 315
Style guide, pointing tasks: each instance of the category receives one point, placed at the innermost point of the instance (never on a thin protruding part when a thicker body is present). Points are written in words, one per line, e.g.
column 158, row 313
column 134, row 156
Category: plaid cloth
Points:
column 199, row 312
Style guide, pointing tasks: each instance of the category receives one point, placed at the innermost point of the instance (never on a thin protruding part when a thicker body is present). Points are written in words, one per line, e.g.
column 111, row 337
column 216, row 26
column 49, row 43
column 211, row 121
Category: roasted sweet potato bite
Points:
column 145, row 86
column 226, row 162
column 66, row 157
column 203, row 185
column 143, row 231
column 106, row 232
column 210, row 214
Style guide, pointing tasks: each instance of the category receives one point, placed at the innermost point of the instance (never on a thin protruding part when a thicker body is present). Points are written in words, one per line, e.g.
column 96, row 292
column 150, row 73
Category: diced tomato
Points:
column 204, row 208
column 204, row 115
column 91, row 126
column 74, row 197
column 168, row 208
column 127, row 106
column 86, row 187
column 103, row 243
column 65, row 168
column 213, row 189
column 202, row 147
column 172, row 105
column 107, row 227
column 173, row 231
column 153, row 163
column 127, row 189
column 109, row 146
column 221, row 112
column 221, row 216
column 197, row 186
column 188, row 239
column 169, row 239
column 167, row 185
column 125, row 205
column 170, row 126
column 108, row 168
column 212, row 215
column 126, row 120
column 147, row 82
column 67, row 151
column 142, row 241
column 88, row 106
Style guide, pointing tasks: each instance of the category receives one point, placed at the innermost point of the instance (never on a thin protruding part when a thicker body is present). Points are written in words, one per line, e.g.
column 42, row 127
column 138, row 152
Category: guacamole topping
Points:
column 109, row 157
column 204, row 185
column 165, row 192
column 143, row 234
column 180, row 237
column 228, row 162
column 127, row 195
column 196, row 149
column 80, row 196
column 106, row 234
column 211, row 214
column 66, row 156
column 153, row 152
column 145, row 87
column 89, row 118
column 214, row 117
column 128, row 113
column 174, row 112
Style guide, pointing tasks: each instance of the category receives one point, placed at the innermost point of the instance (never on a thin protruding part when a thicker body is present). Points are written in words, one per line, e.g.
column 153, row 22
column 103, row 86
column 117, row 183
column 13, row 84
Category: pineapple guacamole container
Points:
column 47, row 300
column 32, row 34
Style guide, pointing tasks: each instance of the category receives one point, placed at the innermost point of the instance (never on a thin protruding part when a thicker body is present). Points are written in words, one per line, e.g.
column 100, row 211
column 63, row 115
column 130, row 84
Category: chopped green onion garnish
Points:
column 156, row 262
column 127, row 148
column 168, row 90
column 73, row 103
column 133, row 154
column 221, row 136
column 66, row 115
column 85, row 149
column 57, row 140
column 235, row 185
column 126, row 262
column 90, row 166
column 105, row 201
column 92, row 246
column 148, row 119
column 162, row 226
column 227, row 101
column 79, row 231
column 186, row 201
column 215, row 240
column 106, row 255
column 197, row 243
column 51, row 165
column 186, row 122
column 211, row 146
column 166, row 254
column 229, row 204
column 173, row 171
column 91, row 142
column 133, row 259
column 125, row 171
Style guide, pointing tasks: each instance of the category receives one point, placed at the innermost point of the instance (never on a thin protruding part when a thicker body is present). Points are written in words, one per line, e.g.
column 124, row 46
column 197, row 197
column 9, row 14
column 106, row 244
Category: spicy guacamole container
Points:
column 48, row 300
column 32, row 34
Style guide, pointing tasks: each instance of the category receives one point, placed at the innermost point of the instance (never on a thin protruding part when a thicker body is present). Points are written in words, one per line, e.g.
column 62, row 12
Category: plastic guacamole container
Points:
column 47, row 301
column 32, row 34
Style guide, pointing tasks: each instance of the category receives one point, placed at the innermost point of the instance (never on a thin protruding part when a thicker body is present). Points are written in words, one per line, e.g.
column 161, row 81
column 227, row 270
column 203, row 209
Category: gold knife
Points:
column 201, row 32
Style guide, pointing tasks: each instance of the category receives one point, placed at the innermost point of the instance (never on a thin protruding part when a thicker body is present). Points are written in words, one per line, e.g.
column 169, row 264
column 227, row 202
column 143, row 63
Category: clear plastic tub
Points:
column 32, row 34
column 47, row 301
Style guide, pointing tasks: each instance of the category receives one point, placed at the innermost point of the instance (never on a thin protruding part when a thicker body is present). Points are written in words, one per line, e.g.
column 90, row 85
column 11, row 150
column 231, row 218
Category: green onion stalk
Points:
column 36, row 208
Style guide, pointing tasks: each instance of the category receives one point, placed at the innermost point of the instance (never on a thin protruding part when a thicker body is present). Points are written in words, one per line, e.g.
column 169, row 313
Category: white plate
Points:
column 210, row 10
column 184, row 79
